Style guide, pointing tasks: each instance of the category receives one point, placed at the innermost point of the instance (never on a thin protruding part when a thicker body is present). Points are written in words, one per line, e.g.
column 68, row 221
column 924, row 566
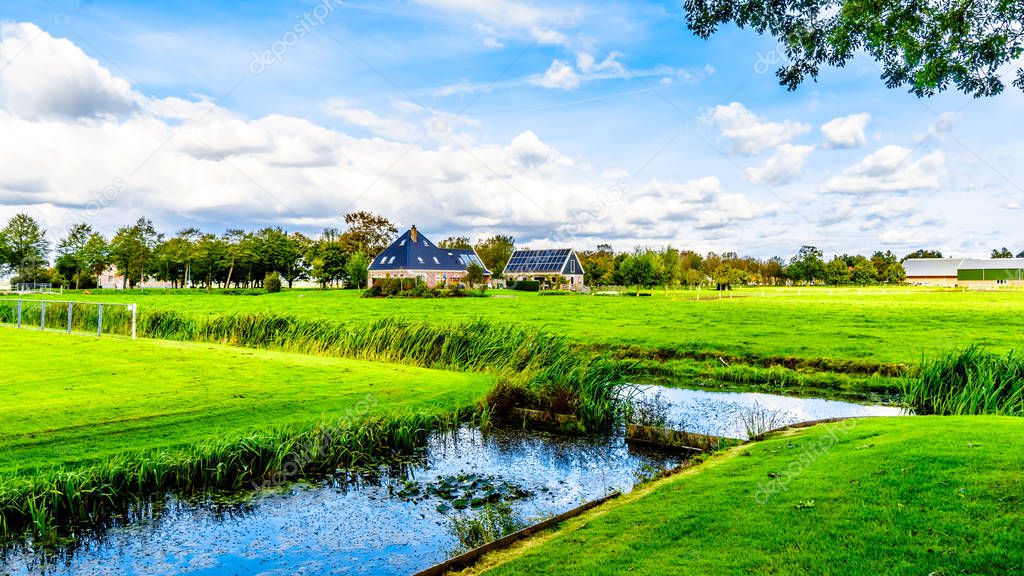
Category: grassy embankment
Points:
column 924, row 495
column 85, row 422
column 811, row 340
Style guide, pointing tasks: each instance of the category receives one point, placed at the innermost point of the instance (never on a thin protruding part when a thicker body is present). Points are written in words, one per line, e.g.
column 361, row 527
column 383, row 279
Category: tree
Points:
column 25, row 246
column 599, row 265
column 669, row 268
column 132, row 248
column 495, row 252
column 922, row 254
column 71, row 252
column 455, row 242
column 837, row 272
column 358, row 269
column 639, row 269
column 297, row 268
column 1002, row 253
column 883, row 262
column 367, row 233
column 474, row 274
column 807, row 265
column 926, row 45
column 864, row 271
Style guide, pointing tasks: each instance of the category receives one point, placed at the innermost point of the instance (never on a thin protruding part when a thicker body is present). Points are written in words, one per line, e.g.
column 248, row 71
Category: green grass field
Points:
column 882, row 325
column 914, row 496
column 79, row 399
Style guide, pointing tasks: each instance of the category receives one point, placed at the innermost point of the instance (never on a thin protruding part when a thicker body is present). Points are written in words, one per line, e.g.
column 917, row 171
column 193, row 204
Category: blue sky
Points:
column 558, row 122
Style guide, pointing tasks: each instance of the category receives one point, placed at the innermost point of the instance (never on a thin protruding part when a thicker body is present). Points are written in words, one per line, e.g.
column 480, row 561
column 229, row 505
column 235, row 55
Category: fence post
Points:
column 70, row 308
column 42, row 315
column 135, row 311
column 99, row 322
column 19, row 313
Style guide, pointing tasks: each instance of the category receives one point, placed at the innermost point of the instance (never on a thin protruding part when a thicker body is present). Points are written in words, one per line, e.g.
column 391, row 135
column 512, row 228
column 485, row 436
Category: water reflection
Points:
column 341, row 526
column 720, row 413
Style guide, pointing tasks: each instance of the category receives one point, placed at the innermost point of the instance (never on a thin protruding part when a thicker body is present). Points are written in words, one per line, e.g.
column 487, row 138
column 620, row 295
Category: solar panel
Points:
column 538, row 260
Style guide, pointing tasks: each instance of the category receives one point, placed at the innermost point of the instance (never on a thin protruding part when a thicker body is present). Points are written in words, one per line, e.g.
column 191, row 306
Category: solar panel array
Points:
column 529, row 261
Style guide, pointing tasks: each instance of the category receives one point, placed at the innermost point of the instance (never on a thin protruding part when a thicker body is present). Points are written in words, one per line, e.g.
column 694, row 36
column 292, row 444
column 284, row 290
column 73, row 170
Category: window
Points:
column 391, row 260
column 436, row 261
column 420, row 259
column 382, row 259
column 402, row 243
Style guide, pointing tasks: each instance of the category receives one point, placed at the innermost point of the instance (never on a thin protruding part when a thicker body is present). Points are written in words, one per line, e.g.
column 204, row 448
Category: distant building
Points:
column 971, row 273
column 932, row 271
column 991, row 274
column 546, row 266
column 112, row 279
column 413, row 255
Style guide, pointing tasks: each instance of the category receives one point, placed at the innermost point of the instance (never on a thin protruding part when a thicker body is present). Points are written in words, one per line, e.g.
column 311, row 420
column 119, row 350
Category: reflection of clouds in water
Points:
column 719, row 413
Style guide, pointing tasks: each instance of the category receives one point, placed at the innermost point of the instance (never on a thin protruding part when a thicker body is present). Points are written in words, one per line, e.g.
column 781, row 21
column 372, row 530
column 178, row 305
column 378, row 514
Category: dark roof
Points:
column 405, row 253
column 553, row 261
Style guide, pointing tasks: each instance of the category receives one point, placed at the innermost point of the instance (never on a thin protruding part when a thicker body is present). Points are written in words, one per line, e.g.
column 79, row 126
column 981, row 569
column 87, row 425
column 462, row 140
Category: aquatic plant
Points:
column 968, row 381
column 494, row 521
column 758, row 420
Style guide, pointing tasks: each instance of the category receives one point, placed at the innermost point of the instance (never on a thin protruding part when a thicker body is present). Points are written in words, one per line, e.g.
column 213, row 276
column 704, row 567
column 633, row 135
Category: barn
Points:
column 991, row 274
column 546, row 266
column 932, row 271
column 413, row 255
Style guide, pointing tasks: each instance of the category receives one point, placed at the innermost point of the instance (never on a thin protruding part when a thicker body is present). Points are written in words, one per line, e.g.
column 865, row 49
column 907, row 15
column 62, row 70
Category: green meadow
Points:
column 905, row 496
column 76, row 400
column 874, row 325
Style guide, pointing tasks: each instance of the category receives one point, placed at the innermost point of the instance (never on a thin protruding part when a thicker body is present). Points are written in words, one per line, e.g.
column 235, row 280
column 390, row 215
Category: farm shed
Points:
column 932, row 271
column 991, row 274
column 546, row 266
column 413, row 255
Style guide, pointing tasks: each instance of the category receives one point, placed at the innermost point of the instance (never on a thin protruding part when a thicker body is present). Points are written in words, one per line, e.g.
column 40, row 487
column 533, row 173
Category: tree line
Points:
column 243, row 259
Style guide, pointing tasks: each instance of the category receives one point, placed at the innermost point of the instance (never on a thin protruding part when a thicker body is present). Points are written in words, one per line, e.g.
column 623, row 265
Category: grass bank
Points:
column 87, row 422
column 73, row 400
column 923, row 495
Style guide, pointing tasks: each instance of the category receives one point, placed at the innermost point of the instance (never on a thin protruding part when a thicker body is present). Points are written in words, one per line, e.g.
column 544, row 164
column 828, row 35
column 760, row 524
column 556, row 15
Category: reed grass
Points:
column 968, row 381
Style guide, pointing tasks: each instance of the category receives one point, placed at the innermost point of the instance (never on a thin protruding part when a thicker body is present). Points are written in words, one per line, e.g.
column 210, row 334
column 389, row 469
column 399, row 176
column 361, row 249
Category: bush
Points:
column 526, row 286
column 555, row 293
column 272, row 282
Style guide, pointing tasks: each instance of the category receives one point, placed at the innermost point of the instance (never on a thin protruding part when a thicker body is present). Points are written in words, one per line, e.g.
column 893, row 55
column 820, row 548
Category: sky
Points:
column 560, row 123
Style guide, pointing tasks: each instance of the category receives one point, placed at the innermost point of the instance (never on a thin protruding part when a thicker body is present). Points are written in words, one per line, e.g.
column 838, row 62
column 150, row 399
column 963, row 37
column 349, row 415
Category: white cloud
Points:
column 560, row 75
column 45, row 76
column 888, row 170
column 785, row 166
column 749, row 133
column 181, row 161
column 507, row 18
column 370, row 120
column 845, row 131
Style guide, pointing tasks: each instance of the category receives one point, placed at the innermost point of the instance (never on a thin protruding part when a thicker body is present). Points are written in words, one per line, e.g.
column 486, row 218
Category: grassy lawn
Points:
column 879, row 325
column 75, row 399
column 915, row 496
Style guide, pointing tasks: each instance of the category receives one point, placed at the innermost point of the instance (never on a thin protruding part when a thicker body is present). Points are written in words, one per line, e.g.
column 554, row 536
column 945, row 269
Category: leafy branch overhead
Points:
column 926, row 45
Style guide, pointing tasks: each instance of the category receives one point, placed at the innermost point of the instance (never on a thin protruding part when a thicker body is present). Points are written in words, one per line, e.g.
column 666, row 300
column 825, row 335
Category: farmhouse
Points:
column 412, row 255
column 546, row 266
column 991, row 274
column 932, row 271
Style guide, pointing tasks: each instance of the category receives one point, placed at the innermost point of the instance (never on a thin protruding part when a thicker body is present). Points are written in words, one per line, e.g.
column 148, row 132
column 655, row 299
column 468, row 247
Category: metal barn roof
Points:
column 414, row 251
column 992, row 264
column 932, row 267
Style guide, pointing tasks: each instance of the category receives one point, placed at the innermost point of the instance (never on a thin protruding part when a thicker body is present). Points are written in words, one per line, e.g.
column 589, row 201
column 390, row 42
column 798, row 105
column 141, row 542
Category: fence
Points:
column 69, row 316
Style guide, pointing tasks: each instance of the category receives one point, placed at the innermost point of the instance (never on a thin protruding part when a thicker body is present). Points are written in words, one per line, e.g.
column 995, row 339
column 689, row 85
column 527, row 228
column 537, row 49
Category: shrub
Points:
column 272, row 282
column 526, row 286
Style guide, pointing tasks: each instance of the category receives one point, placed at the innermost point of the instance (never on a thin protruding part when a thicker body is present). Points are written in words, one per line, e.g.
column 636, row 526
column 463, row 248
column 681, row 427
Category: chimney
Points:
column 413, row 233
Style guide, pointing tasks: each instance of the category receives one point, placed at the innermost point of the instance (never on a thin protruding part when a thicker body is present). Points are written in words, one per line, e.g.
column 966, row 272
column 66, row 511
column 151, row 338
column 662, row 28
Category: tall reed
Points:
column 968, row 381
